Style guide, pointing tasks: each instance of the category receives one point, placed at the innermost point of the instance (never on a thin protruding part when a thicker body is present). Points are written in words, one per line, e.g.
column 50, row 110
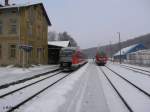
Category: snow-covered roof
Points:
column 27, row 5
column 59, row 43
column 125, row 50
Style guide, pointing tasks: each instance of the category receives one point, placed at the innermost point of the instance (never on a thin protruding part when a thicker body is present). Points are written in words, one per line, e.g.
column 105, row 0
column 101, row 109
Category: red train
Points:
column 101, row 57
column 71, row 58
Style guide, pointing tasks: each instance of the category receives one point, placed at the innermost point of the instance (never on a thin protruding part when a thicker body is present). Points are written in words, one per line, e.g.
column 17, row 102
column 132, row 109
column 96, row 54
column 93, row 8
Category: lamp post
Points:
column 110, row 50
column 119, row 47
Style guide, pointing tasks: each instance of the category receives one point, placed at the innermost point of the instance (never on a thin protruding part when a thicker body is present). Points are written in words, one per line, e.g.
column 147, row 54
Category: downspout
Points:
column 19, row 38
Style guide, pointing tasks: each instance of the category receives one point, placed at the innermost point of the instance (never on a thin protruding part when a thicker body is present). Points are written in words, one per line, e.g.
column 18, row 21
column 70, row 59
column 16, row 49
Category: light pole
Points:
column 110, row 50
column 119, row 47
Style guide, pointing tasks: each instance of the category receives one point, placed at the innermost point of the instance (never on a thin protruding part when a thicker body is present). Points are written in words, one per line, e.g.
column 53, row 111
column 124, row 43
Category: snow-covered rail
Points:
column 17, row 98
column 144, row 72
column 121, row 97
column 26, row 79
column 13, row 101
column 135, row 98
column 130, row 82
column 15, row 88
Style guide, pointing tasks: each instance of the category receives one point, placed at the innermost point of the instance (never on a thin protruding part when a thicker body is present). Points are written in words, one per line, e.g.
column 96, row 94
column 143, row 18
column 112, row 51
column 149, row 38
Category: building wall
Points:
column 8, row 36
column 32, row 30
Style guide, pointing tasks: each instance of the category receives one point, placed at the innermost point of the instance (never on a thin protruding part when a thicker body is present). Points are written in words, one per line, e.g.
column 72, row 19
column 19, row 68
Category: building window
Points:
column 12, row 51
column 29, row 27
column 13, row 11
column 0, row 51
column 1, row 13
column 31, row 14
column 43, row 52
column 13, row 29
column 1, row 27
column 13, row 26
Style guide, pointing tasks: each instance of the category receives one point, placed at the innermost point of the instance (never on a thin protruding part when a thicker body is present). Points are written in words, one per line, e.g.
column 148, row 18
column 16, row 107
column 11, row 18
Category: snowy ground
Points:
column 11, row 74
column 88, row 90
column 135, row 66
column 81, row 92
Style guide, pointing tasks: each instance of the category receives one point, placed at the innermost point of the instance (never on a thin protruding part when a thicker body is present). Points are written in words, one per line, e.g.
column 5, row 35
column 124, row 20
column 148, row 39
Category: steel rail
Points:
column 33, row 96
column 11, row 92
column 141, row 90
column 121, row 97
column 136, row 70
column 26, row 79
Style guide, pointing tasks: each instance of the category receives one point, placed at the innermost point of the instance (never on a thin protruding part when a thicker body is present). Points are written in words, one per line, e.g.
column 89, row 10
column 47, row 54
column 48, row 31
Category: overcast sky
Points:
column 96, row 22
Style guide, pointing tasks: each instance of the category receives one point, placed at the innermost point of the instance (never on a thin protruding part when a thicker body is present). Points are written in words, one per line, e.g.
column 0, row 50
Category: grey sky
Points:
column 95, row 22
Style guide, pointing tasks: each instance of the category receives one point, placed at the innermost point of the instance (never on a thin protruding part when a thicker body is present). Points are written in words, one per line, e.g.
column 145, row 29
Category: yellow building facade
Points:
column 24, row 35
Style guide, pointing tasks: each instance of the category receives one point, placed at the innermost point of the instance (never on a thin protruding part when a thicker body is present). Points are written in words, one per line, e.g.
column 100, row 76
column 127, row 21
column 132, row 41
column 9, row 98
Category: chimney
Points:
column 6, row 3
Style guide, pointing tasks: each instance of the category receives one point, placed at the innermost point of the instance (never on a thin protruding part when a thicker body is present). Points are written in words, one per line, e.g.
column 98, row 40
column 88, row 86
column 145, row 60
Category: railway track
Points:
column 4, row 93
column 24, row 94
column 140, row 89
column 28, row 92
column 123, row 96
column 141, row 71
column 25, row 79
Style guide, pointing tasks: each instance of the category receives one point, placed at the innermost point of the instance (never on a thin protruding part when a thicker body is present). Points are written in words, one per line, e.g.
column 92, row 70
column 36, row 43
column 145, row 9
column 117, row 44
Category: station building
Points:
column 54, row 48
column 23, row 34
column 125, row 51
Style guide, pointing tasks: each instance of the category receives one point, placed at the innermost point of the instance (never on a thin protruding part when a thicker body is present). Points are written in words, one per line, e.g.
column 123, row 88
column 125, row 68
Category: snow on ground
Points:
column 86, row 90
column 140, row 67
column 138, row 79
column 17, row 97
column 87, row 95
column 115, row 104
column 138, row 101
column 92, row 99
column 80, row 92
column 53, row 98
column 11, row 74
column 135, row 66
column 17, row 86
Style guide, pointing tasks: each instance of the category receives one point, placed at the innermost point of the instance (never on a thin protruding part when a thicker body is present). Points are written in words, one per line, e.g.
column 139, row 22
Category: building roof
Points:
column 27, row 5
column 59, row 43
column 126, row 49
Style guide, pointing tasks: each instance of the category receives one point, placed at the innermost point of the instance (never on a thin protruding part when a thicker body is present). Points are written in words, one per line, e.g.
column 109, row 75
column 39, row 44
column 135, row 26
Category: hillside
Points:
column 110, row 50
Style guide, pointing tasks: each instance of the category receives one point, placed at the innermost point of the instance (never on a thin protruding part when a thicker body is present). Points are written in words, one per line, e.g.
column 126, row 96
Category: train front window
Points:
column 67, row 53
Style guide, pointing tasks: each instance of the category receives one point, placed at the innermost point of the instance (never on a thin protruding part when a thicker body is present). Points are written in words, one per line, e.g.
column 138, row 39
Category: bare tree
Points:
column 52, row 36
column 66, row 37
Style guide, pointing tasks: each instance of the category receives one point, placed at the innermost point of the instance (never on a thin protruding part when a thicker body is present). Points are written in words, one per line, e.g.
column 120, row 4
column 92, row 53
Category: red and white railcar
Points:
column 71, row 58
column 101, row 57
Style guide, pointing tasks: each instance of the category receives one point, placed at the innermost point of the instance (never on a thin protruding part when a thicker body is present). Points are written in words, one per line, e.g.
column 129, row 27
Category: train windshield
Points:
column 67, row 52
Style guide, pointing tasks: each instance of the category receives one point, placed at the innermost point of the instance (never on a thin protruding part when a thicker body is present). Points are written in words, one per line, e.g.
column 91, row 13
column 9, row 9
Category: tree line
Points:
column 64, row 36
